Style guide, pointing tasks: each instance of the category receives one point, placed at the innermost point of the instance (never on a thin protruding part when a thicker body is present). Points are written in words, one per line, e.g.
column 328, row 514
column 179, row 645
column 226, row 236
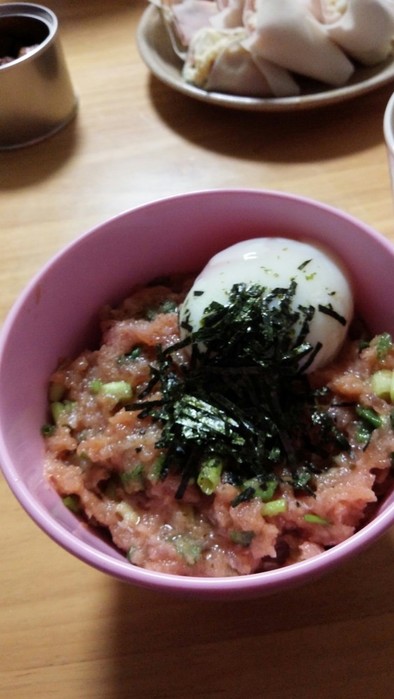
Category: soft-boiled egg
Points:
column 320, row 280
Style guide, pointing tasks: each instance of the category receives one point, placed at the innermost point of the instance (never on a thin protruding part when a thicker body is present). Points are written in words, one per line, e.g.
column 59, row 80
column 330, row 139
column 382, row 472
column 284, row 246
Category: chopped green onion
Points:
column 121, row 390
column 383, row 345
column 132, row 473
column 369, row 416
column 154, row 472
column 72, row 502
column 188, row 548
column 95, row 386
column 263, row 491
column 382, row 383
column 60, row 409
column 126, row 513
column 315, row 519
column 130, row 553
column 118, row 390
column 167, row 306
column 84, row 458
column 209, row 476
column 132, row 479
column 362, row 434
column 134, row 353
column 274, row 507
column 56, row 409
column 242, row 538
column 47, row 430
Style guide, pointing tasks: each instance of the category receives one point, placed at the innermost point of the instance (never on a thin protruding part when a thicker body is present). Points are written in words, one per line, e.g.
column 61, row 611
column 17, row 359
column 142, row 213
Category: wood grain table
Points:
column 68, row 631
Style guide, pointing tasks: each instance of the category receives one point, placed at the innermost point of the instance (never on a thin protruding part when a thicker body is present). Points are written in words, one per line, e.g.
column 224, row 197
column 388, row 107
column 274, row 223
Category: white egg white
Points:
column 272, row 263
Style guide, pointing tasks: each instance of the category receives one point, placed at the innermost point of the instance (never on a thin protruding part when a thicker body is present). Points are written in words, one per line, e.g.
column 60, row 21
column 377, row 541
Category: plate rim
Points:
column 153, row 59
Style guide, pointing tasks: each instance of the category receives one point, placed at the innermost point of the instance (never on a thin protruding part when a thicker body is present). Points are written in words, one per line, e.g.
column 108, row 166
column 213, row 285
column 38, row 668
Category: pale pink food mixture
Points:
column 102, row 458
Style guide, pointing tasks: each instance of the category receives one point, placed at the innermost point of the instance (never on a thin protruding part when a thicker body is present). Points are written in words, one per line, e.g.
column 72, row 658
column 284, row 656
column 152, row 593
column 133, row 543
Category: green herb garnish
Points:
column 242, row 538
column 72, row 502
column 187, row 547
column 131, row 356
column 167, row 306
column 311, row 518
column 274, row 507
column 48, row 429
column 383, row 345
column 369, row 416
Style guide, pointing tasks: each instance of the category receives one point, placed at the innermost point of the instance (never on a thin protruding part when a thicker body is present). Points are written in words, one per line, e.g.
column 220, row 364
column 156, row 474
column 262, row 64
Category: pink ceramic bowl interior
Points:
column 57, row 315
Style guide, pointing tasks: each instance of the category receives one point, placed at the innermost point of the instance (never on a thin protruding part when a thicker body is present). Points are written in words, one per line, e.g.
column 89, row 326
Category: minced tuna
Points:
column 105, row 454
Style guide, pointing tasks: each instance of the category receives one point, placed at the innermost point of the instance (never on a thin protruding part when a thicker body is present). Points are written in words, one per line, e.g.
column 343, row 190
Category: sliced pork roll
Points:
column 288, row 34
column 218, row 61
column 188, row 16
column 364, row 29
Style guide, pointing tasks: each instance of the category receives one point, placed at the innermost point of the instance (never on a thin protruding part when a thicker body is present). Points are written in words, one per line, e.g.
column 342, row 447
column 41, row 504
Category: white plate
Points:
column 156, row 51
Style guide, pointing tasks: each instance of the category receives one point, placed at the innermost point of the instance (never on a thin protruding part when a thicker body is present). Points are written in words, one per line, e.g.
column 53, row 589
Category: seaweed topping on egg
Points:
column 259, row 318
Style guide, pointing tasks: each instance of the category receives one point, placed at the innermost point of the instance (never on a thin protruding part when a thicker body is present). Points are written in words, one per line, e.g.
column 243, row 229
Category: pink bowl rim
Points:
column 268, row 581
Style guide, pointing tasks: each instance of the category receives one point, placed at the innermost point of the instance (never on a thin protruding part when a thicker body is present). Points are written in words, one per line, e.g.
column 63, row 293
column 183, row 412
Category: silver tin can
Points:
column 36, row 93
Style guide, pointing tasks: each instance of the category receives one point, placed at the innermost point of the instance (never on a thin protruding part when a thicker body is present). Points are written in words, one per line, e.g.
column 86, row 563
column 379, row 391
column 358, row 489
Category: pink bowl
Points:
column 56, row 316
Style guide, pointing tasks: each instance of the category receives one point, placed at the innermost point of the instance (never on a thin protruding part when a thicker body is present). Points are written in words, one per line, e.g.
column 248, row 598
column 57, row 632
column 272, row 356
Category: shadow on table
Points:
column 22, row 167
column 316, row 641
column 297, row 136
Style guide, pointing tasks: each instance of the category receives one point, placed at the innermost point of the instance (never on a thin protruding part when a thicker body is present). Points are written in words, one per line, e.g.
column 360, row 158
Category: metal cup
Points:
column 388, row 129
column 36, row 94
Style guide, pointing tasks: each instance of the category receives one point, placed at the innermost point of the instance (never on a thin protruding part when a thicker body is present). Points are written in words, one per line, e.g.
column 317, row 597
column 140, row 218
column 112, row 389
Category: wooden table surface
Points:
column 68, row 631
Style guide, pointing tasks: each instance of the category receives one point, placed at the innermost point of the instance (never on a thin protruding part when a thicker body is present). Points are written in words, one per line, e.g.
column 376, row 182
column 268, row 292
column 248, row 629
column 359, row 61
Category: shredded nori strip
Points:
column 244, row 396
column 329, row 311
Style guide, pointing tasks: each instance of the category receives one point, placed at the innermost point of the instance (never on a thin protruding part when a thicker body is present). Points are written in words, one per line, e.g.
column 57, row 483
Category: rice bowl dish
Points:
column 260, row 439
column 229, row 217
